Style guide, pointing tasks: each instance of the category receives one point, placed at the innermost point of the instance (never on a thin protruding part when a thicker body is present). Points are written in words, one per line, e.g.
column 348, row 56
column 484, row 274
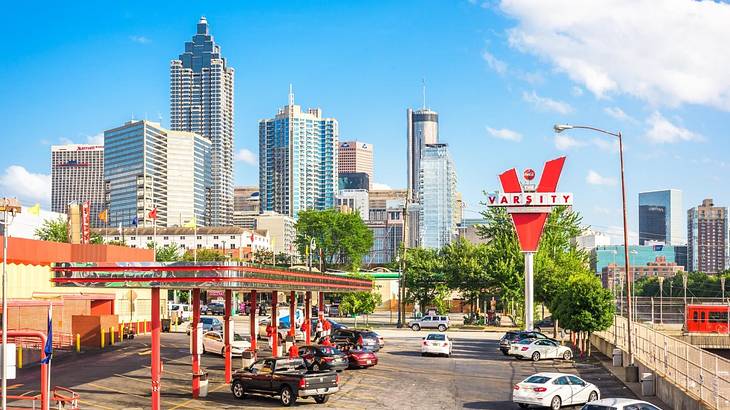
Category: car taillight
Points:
column 337, row 378
column 516, row 387
column 525, row 348
column 328, row 358
column 540, row 389
column 302, row 383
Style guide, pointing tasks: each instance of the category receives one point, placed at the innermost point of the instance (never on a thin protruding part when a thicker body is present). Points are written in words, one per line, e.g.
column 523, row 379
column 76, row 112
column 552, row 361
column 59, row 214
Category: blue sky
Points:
column 500, row 74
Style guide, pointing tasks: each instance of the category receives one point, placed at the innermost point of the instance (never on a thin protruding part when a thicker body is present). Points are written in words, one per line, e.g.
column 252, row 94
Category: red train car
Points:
column 707, row 318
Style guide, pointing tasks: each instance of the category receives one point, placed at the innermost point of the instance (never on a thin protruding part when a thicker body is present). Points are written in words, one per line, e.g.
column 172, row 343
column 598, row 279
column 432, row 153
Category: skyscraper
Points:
column 77, row 175
column 150, row 167
column 660, row 217
column 423, row 128
column 437, row 195
column 356, row 156
column 708, row 247
column 297, row 160
column 201, row 101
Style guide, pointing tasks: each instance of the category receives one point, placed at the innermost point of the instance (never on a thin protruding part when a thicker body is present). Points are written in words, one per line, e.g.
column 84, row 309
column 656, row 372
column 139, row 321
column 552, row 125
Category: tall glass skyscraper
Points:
column 661, row 217
column 201, row 101
column 437, row 194
column 297, row 160
column 423, row 129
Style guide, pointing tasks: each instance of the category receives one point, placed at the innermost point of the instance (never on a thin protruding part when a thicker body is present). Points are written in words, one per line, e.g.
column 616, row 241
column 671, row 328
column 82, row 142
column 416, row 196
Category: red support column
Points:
column 155, row 351
column 292, row 309
column 275, row 323
column 252, row 316
column 227, row 334
column 194, row 339
column 320, row 297
column 308, row 317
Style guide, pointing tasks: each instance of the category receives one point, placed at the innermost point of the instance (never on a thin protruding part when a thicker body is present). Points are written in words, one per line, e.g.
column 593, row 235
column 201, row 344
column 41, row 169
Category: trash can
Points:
column 166, row 325
column 618, row 356
column 648, row 387
column 203, row 383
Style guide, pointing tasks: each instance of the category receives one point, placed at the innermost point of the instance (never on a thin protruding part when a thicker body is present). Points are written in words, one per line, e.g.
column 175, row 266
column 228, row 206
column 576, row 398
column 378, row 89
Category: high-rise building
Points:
column 246, row 206
column 437, row 196
column 201, row 101
column 77, row 175
column 422, row 129
column 150, row 167
column 387, row 233
column 356, row 156
column 298, row 159
column 660, row 217
column 353, row 180
column 354, row 200
column 708, row 243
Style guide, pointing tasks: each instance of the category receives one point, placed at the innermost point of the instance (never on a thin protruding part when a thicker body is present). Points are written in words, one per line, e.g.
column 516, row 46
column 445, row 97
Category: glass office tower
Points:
column 437, row 193
column 661, row 217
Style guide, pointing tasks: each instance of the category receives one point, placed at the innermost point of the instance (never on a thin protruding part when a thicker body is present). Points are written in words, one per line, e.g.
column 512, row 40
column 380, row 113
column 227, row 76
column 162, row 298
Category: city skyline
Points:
column 482, row 113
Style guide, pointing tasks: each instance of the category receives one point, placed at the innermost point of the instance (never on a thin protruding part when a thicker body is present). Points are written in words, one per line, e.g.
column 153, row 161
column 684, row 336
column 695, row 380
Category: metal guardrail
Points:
column 61, row 340
column 703, row 375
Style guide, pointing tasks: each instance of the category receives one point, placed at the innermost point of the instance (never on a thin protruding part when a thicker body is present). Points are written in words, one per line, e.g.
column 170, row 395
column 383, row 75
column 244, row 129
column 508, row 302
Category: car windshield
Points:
column 509, row 335
column 328, row 350
column 537, row 379
column 369, row 335
column 525, row 341
column 241, row 338
column 436, row 337
column 290, row 365
column 207, row 320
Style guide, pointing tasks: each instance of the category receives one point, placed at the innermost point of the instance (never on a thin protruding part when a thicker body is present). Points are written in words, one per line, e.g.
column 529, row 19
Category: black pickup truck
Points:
column 286, row 378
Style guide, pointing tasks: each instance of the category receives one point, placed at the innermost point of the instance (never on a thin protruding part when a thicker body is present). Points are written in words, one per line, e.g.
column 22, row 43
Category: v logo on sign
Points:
column 529, row 226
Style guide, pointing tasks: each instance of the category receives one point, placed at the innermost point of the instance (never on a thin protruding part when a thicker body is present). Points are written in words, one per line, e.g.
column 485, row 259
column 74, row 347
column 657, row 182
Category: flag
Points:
column 35, row 209
column 135, row 221
column 153, row 214
column 252, row 238
column 273, row 243
column 120, row 228
column 306, row 251
column 192, row 223
column 48, row 349
column 104, row 216
column 658, row 248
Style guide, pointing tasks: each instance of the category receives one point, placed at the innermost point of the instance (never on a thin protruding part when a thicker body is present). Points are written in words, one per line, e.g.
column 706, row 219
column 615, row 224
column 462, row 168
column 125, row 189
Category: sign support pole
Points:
column 529, row 290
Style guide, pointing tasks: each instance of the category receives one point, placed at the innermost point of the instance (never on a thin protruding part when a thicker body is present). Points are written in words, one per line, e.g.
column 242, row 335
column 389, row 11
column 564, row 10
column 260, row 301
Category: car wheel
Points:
column 416, row 327
column 504, row 353
column 523, row 405
column 203, row 352
column 287, row 397
column 592, row 397
column 567, row 355
column 442, row 328
column 238, row 391
column 322, row 399
column 536, row 356
column 556, row 403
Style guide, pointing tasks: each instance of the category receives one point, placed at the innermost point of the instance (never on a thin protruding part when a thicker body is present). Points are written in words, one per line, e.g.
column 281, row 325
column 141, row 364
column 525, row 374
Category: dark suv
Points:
column 350, row 336
column 515, row 337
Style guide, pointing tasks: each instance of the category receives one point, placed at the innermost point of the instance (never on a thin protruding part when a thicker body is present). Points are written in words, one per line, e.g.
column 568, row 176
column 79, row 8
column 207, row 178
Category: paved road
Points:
column 477, row 376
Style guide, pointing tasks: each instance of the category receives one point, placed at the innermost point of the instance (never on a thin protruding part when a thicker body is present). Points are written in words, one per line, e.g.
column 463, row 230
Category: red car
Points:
column 361, row 358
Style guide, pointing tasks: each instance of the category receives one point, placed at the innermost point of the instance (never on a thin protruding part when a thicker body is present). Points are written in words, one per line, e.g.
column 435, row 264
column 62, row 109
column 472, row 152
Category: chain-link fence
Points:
column 704, row 375
column 663, row 310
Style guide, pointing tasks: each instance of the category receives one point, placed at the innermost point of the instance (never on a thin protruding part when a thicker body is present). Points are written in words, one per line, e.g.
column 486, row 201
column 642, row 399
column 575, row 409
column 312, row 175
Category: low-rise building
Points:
column 387, row 231
column 611, row 275
column 355, row 201
column 281, row 231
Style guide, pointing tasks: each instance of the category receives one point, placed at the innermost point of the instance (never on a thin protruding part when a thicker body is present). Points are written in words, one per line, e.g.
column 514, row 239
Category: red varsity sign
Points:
column 529, row 206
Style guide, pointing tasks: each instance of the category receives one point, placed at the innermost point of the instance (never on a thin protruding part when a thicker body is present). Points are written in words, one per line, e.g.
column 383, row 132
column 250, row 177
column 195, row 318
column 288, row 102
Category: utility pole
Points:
column 684, row 285
column 661, row 300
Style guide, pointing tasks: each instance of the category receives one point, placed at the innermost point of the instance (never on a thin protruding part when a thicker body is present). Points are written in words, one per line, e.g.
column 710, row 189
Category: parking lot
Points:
column 476, row 376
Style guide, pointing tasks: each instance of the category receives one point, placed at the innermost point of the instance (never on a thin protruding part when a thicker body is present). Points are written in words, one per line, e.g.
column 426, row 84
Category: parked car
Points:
column 554, row 390
column 282, row 330
column 209, row 323
column 334, row 310
column 436, row 343
column 537, row 349
column 216, row 309
column 323, row 358
column 360, row 358
column 545, row 323
column 182, row 311
column 619, row 404
column 213, row 343
column 514, row 336
column 287, row 378
column 430, row 322
column 350, row 337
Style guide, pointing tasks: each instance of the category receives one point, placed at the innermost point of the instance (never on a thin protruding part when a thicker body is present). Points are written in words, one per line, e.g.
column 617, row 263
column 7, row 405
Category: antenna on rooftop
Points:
column 291, row 95
column 423, row 84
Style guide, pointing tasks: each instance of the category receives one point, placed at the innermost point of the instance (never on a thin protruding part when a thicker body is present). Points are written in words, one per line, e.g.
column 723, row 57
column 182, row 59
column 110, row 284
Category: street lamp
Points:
column 312, row 247
column 564, row 127
column 399, row 324
column 9, row 208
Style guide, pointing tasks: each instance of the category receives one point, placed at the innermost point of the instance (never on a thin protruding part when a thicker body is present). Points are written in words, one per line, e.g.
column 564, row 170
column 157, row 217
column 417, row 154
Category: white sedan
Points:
column 540, row 349
column 436, row 343
column 213, row 343
column 554, row 390
column 619, row 404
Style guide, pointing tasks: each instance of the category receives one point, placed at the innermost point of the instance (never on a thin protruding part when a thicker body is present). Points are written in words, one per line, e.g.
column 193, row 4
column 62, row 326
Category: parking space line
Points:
column 193, row 400
column 99, row 406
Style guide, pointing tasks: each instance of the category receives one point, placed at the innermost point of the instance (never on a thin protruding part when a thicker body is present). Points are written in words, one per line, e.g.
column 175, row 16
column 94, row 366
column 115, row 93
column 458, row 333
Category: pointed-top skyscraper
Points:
column 201, row 101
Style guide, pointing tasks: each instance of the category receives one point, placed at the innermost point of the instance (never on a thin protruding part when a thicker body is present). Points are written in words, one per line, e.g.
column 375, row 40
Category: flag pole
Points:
column 50, row 340
column 195, row 244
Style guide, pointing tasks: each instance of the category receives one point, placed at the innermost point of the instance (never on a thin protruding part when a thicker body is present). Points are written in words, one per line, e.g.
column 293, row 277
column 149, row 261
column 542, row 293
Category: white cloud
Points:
column 494, row 63
column 662, row 131
column 140, row 39
column 606, row 144
column 377, row 186
column 26, row 186
column 618, row 114
column 505, row 134
column 594, row 178
column 246, row 156
column 664, row 52
column 547, row 104
column 564, row 142
column 97, row 139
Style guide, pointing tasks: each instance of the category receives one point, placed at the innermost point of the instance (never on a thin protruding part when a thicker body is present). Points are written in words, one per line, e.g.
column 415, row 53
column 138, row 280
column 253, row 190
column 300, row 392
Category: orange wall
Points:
column 35, row 252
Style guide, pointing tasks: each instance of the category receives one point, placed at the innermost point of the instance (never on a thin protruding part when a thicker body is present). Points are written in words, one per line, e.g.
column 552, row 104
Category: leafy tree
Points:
column 97, row 239
column 168, row 253
column 699, row 284
column 423, row 273
column 360, row 303
column 263, row 257
column 505, row 260
column 205, row 255
column 343, row 238
column 442, row 299
column 54, row 230
column 465, row 266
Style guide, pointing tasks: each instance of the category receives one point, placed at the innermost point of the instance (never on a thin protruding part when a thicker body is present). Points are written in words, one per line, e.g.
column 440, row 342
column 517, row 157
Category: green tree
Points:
column 54, row 230
column 263, row 257
column 360, row 303
column 465, row 266
column 168, row 253
column 205, row 255
column 423, row 273
column 343, row 238
column 97, row 239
